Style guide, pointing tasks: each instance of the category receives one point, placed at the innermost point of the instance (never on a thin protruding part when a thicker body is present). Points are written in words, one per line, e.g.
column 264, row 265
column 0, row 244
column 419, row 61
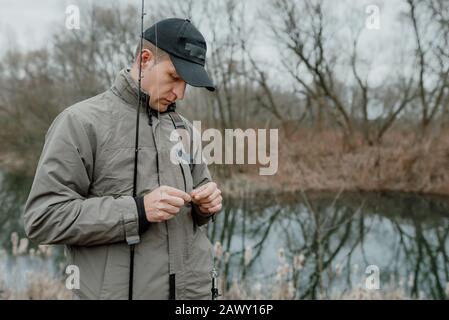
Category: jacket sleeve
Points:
column 58, row 209
column 200, row 175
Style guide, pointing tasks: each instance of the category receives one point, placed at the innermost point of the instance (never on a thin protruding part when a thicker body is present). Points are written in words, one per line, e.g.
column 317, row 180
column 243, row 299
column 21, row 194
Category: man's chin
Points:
column 161, row 106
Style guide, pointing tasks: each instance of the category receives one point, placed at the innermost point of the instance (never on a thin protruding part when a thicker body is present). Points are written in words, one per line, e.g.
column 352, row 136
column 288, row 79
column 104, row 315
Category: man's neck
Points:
column 134, row 74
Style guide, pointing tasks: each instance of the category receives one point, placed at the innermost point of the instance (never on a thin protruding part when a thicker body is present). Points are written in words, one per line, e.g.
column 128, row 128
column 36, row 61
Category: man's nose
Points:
column 179, row 90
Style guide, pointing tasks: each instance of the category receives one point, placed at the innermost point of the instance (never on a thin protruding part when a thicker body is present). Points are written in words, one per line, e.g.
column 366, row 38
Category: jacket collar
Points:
column 127, row 89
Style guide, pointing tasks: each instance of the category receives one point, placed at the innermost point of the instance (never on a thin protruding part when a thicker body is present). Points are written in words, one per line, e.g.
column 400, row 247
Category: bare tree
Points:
column 432, row 57
column 78, row 64
column 300, row 32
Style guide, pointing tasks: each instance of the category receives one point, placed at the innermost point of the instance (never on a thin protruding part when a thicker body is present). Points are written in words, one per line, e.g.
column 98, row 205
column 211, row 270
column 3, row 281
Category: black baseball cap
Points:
column 186, row 47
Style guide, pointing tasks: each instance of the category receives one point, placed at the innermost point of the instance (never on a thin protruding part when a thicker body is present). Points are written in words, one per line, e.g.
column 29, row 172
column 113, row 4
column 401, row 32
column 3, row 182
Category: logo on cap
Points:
column 195, row 51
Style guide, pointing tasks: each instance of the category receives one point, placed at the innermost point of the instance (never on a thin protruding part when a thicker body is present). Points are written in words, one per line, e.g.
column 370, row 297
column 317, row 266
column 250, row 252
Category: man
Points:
column 82, row 192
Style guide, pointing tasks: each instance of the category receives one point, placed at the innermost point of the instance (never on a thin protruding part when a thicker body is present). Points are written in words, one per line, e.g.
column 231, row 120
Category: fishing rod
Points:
column 136, row 150
column 214, row 273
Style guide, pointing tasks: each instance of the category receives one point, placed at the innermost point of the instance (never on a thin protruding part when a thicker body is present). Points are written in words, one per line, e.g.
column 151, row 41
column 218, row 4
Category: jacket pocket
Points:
column 116, row 272
column 199, row 266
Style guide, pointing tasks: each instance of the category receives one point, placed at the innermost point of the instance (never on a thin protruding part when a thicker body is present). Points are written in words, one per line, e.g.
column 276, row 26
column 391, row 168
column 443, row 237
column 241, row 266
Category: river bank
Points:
column 314, row 161
column 320, row 162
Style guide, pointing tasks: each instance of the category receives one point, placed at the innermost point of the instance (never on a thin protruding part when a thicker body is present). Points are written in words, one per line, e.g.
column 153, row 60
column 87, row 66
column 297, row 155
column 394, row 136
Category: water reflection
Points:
column 296, row 246
column 318, row 246
column 14, row 189
column 19, row 259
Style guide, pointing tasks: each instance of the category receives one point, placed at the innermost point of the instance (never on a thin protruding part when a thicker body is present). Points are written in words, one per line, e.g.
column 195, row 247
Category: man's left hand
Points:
column 207, row 198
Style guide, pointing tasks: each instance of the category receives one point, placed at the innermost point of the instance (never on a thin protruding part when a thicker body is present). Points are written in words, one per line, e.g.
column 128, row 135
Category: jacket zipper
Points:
column 183, row 177
column 172, row 285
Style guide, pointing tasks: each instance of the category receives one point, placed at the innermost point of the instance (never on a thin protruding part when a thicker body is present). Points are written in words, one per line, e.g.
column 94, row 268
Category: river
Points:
column 295, row 246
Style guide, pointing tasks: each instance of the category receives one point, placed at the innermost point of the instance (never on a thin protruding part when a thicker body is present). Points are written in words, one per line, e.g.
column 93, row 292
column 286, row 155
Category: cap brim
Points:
column 192, row 73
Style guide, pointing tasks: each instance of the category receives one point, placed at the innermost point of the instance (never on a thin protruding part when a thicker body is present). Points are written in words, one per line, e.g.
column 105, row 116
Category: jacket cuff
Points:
column 130, row 221
column 144, row 224
column 199, row 217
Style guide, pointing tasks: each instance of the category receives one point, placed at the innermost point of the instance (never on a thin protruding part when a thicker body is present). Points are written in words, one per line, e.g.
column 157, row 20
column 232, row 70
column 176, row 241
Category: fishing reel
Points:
column 214, row 289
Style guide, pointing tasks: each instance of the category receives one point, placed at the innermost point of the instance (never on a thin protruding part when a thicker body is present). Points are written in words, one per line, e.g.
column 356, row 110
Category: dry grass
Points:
column 43, row 286
column 282, row 285
column 40, row 286
column 319, row 161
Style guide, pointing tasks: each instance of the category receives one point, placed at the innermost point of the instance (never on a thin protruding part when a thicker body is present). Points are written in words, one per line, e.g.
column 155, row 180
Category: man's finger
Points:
column 215, row 194
column 199, row 189
column 177, row 193
column 209, row 188
column 214, row 209
column 162, row 216
column 172, row 200
column 168, row 208
column 212, row 204
column 167, row 216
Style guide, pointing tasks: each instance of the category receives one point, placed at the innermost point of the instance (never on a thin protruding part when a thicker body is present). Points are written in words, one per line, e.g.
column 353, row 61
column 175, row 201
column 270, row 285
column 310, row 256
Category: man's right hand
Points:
column 164, row 203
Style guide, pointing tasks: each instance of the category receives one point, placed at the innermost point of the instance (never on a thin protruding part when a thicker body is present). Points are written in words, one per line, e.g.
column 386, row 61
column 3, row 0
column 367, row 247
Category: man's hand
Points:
column 164, row 203
column 207, row 198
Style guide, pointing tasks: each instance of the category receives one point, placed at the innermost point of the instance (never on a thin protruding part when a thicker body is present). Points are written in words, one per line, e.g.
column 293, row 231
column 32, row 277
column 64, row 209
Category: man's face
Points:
column 162, row 83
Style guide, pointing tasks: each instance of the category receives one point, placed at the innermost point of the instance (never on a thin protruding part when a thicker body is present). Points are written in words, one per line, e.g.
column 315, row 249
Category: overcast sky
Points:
column 28, row 24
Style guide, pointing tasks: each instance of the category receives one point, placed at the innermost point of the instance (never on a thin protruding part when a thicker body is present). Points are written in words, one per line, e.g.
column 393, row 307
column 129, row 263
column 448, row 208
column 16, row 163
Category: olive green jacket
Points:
column 81, row 197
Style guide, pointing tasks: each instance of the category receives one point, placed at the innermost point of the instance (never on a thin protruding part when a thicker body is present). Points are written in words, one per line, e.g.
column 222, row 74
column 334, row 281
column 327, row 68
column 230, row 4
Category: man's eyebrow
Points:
column 174, row 73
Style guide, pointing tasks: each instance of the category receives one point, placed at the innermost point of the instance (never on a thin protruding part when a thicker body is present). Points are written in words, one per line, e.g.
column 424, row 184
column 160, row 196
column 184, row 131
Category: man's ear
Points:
column 147, row 57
